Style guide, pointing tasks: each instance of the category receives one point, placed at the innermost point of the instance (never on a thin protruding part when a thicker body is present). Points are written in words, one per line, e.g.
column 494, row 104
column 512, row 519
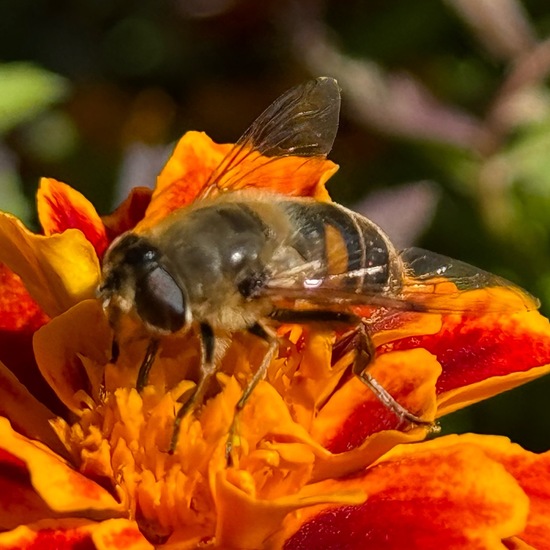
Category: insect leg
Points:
column 273, row 343
column 115, row 351
column 315, row 316
column 150, row 354
column 208, row 368
column 364, row 355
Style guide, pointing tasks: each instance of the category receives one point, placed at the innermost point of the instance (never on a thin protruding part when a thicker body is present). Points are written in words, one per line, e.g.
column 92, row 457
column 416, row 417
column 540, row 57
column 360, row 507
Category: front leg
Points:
column 207, row 370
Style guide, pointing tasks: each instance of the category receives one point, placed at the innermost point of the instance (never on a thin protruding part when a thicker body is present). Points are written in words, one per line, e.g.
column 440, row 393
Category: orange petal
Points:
column 532, row 472
column 119, row 533
column 58, row 271
column 357, row 428
column 75, row 534
column 129, row 213
column 353, row 413
column 61, row 207
column 445, row 493
column 259, row 519
column 27, row 415
column 196, row 157
column 290, row 176
column 28, row 505
column 485, row 355
column 62, row 488
column 62, row 347
column 20, row 317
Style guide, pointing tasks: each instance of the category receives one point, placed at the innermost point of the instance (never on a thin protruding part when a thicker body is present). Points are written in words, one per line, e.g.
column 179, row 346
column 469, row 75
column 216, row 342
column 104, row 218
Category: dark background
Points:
column 444, row 136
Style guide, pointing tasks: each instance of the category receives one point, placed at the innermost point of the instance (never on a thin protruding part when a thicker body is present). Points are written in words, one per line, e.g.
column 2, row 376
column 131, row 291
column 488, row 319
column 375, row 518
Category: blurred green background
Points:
column 444, row 136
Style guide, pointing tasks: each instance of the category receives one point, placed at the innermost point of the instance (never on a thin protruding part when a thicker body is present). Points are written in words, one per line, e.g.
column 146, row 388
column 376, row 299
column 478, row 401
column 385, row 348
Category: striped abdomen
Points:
column 340, row 241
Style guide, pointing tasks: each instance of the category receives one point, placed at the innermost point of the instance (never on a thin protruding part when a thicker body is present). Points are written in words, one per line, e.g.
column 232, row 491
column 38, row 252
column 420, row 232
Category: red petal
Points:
column 15, row 482
column 533, row 474
column 129, row 213
column 20, row 318
column 52, row 539
column 60, row 207
column 490, row 353
column 75, row 534
column 353, row 413
column 444, row 494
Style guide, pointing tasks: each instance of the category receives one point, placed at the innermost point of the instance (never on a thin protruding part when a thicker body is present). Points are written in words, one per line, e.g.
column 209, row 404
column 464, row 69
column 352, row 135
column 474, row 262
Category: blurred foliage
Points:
column 86, row 82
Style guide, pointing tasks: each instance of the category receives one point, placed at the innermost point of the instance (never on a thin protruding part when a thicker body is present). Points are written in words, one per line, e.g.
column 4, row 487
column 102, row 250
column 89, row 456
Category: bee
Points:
column 243, row 259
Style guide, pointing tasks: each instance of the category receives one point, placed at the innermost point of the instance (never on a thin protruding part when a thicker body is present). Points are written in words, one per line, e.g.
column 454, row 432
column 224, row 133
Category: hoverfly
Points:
column 242, row 259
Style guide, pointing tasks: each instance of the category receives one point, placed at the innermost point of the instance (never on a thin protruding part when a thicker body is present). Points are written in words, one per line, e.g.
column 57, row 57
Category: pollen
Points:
column 123, row 443
column 122, row 439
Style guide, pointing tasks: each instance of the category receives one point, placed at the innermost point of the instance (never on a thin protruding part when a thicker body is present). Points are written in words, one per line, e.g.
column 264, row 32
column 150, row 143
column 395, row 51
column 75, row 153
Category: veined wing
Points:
column 431, row 283
column 288, row 139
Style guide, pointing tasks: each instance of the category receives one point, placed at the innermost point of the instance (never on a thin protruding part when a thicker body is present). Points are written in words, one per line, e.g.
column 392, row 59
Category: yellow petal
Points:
column 61, row 487
column 62, row 346
column 29, row 416
column 58, row 271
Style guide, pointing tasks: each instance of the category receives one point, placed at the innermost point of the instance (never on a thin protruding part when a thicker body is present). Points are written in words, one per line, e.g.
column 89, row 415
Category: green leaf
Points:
column 25, row 91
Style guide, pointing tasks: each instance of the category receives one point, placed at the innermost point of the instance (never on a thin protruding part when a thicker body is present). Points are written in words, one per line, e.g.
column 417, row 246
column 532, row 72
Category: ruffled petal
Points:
column 484, row 355
column 61, row 207
column 27, row 415
column 357, row 428
column 71, row 361
column 20, row 317
column 445, row 493
column 262, row 518
column 532, row 472
column 20, row 503
column 62, row 488
column 129, row 213
column 58, row 271
column 196, row 157
column 75, row 534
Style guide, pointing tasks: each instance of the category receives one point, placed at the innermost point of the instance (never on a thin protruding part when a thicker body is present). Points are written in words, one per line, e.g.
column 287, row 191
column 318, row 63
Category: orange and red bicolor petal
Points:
column 196, row 157
column 484, row 355
column 356, row 428
column 70, row 361
column 75, row 534
column 59, row 486
column 129, row 212
column 58, row 271
column 445, row 493
column 61, row 207
column 20, row 317
column 532, row 472
column 28, row 415
column 20, row 503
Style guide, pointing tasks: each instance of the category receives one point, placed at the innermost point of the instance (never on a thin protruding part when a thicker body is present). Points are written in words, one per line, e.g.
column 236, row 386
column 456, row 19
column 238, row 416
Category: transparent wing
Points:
column 301, row 123
column 432, row 283
column 443, row 284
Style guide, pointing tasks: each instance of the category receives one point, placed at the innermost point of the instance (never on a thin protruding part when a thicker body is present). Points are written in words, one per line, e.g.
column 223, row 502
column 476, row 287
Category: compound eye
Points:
column 159, row 300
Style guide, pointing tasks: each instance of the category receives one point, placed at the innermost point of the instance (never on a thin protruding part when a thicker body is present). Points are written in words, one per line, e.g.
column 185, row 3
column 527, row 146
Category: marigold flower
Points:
column 321, row 463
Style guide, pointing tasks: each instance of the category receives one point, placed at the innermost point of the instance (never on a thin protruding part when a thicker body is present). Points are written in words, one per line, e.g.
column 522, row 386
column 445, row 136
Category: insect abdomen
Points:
column 341, row 241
